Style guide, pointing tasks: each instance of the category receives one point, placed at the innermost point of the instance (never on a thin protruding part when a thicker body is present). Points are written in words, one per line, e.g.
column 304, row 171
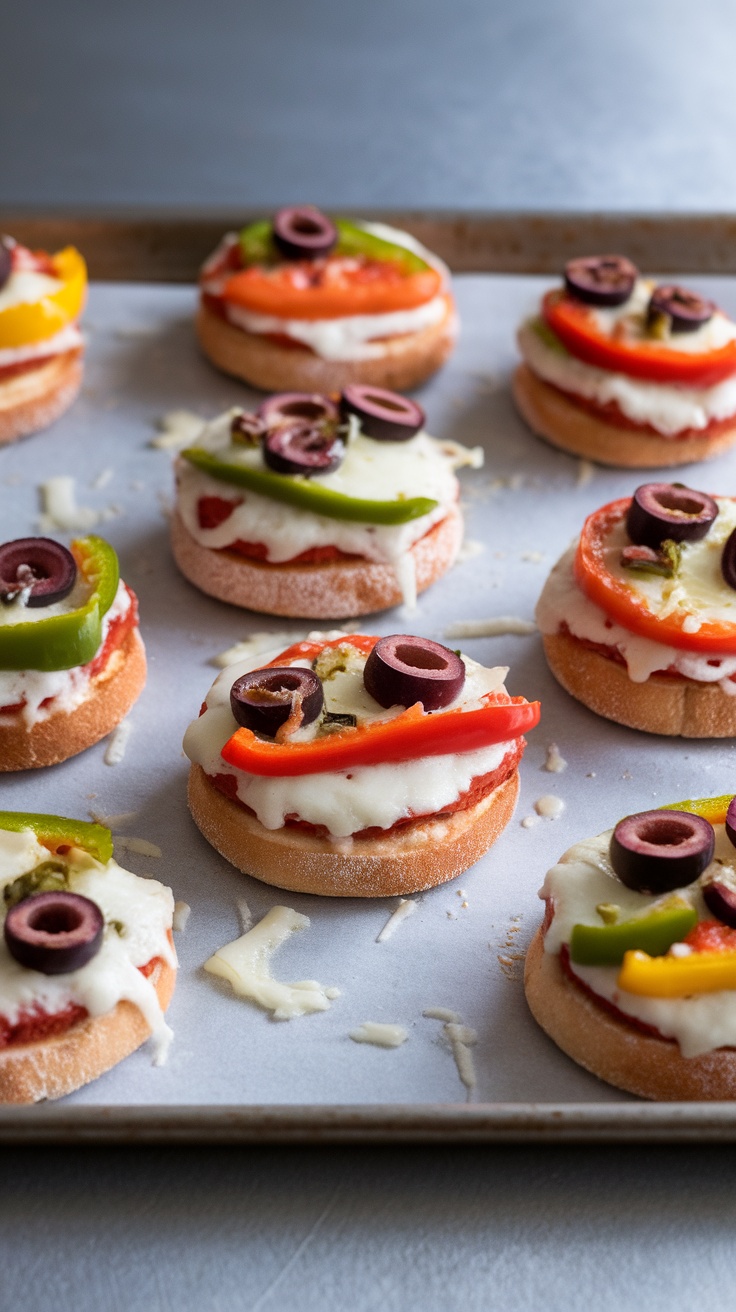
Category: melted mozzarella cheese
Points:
column 25, row 286
column 382, row 471
column 246, row 965
column 698, row 592
column 581, row 881
column 62, row 690
column 364, row 797
column 668, row 408
column 143, row 907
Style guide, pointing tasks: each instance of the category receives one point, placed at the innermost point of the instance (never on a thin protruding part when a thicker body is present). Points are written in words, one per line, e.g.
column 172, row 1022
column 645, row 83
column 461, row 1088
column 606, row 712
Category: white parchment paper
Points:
column 462, row 949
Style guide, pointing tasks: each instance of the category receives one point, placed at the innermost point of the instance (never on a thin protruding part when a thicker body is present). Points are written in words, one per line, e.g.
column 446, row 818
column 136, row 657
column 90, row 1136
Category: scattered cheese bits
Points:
column 140, row 846
column 380, row 1035
column 461, row 1039
column 506, row 625
column 102, row 479
column 60, row 509
column 555, row 762
column 182, row 912
column 245, row 914
column 178, row 428
column 549, row 807
column 405, row 908
column 464, row 457
column 112, row 821
column 530, row 821
column 586, row 470
column 117, row 743
column 469, row 550
column 246, row 965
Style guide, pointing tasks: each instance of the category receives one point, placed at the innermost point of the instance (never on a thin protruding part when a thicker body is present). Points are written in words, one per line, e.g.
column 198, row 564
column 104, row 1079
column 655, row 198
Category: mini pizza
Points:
column 639, row 616
column 355, row 766
column 627, row 371
column 319, row 508
column 41, row 299
column 633, row 973
column 72, row 662
column 87, row 961
column 305, row 302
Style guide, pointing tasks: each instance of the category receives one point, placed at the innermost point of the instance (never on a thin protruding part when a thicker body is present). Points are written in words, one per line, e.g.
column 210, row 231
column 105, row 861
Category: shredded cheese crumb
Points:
column 380, row 1035
column 140, row 846
column 549, row 807
column 117, row 743
column 178, row 428
column 246, row 965
column 60, row 509
column 182, row 912
column 112, row 821
column 461, row 1039
column 491, row 628
column 405, row 908
column 555, row 762
column 586, row 470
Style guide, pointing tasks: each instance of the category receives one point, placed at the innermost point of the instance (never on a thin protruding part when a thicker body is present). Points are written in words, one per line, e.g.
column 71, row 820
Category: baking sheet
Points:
column 524, row 507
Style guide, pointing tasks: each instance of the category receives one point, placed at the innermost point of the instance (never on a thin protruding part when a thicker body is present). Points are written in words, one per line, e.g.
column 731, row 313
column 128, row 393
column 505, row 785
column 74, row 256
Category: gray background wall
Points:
column 475, row 103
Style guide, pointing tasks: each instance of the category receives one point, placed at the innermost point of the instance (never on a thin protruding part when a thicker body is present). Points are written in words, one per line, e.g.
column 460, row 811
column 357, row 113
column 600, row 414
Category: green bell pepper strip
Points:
column 61, row 642
column 309, row 496
column 257, row 246
column 57, row 832
column 606, row 945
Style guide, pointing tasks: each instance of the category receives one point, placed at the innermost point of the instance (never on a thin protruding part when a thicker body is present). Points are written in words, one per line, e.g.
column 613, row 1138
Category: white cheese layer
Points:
column 66, row 689
column 698, row 592
column 354, row 337
column 629, row 321
column 143, row 907
column 383, row 471
column 581, row 881
column 69, row 339
column 24, row 286
column 667, row 408
column 346, row 801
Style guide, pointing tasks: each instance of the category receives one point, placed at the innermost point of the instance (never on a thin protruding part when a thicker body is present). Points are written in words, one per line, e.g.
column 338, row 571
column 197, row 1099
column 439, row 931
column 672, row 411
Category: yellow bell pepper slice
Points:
column 677, row 977
column 35, row 321
column 710, row 808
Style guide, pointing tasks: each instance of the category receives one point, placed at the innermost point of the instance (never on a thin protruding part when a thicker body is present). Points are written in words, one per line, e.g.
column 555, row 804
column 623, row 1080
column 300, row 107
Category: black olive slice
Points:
column 54, row 932
column 300, row 448
column 6, row 259
column 721, row 902
column 601, row 279
column 728, row 561
column 402, row 670
column 263, row 700
column 661, row 511
column 43, row 567
column 302, row 232
column 684, row 309
column 384, row 415
column 658, row 851
column 247, row 429
column 285, row 407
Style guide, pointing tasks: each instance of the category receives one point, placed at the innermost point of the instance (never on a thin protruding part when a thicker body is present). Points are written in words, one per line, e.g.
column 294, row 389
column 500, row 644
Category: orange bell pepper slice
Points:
column 575, row 325
column 344, row 288
column 35, row 321
column 623, row 603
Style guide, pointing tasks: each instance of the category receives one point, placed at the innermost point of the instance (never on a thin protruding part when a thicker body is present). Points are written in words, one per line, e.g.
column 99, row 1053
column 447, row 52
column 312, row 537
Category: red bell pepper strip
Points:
column 409, row 736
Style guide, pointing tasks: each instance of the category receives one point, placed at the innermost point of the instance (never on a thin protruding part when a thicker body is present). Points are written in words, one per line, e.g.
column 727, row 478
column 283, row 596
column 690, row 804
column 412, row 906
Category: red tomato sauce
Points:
column 610, row 413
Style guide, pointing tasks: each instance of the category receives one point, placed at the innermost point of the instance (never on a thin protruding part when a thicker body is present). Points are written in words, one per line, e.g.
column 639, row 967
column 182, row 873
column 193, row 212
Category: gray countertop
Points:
column 397, row 102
